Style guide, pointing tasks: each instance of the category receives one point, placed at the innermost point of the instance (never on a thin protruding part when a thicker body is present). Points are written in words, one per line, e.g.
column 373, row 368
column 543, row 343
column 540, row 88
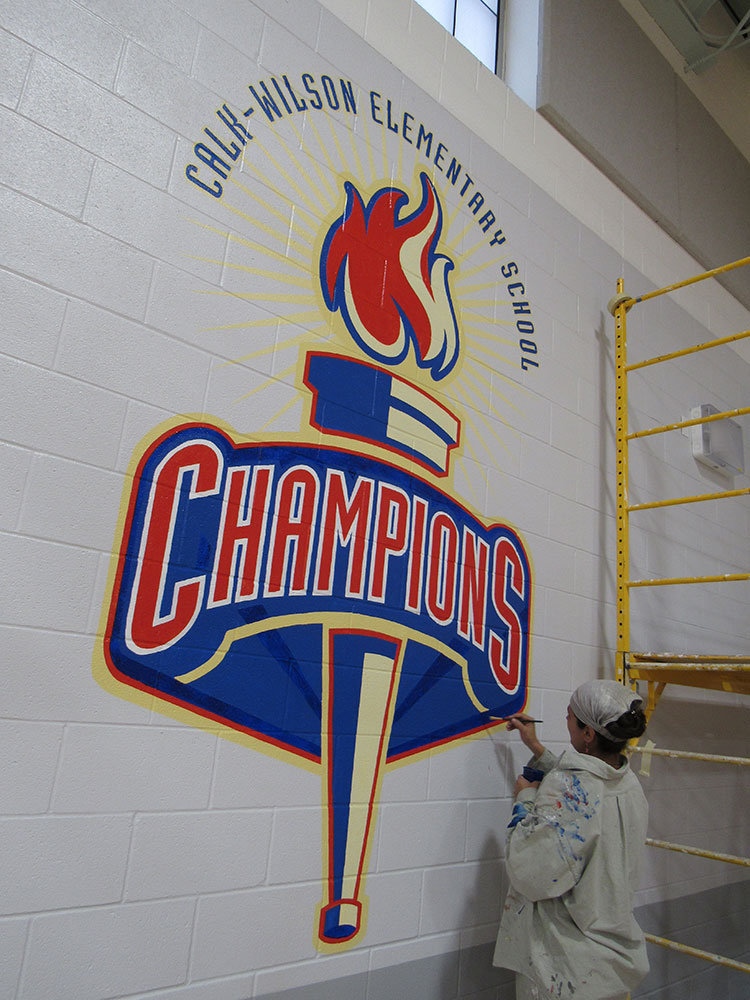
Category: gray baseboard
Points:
column 716, row 920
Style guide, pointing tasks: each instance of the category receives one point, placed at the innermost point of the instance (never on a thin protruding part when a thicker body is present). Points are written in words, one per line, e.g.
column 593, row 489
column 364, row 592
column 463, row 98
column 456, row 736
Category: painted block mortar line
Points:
column 58, row 763
column 24, row 491
column 88, row 186
column 24, row 959
column 188, row 211
column 200, row 32
column 29, row 67
column 120, row 58
column 51, row 284
column 142, row 325
column 212, row 782
column 60, row 335
column 189, row 976
column 129, row 858
column 72, row 216
column 79, row 90
column 45, row 540
column 213, row 776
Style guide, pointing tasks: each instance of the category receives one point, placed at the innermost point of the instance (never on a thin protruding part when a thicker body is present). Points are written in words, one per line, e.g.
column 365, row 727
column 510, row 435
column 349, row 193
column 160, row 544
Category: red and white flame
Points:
column 382, row 272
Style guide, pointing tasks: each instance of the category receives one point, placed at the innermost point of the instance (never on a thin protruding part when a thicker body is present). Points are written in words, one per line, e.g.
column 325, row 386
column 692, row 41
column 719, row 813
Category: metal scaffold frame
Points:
column 721, row 673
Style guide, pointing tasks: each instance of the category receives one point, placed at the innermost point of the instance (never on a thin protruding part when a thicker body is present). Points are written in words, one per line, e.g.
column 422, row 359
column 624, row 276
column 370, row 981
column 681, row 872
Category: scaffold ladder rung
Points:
column 714, row 672
column 711, row 758
column 707, row 956
column 700, row 852
column 673, row 581
column 699, row 498
column 686, row 658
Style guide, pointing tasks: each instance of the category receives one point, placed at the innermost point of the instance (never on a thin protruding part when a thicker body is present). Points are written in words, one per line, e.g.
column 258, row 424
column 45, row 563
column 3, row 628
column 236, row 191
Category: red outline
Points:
column 330, row 906
column 380, row 758
column 358, row 437
column 114, row 592
column 431, row 600
column 448, row 739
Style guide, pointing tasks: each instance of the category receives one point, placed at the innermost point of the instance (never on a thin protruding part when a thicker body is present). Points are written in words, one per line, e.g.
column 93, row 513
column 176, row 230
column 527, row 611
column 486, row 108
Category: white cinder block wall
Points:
column 143, row 856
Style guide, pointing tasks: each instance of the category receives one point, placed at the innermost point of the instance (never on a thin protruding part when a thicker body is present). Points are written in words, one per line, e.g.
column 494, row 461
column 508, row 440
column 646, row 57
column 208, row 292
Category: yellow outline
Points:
column 322, row 203
column 334, row 620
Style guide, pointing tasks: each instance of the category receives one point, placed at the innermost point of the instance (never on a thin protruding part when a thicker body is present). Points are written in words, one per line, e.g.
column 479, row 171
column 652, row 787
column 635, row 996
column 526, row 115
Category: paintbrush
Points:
column 501, row 718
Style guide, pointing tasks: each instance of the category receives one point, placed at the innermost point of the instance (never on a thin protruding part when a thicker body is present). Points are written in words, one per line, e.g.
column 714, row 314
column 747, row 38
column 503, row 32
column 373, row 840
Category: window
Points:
column 474, row 23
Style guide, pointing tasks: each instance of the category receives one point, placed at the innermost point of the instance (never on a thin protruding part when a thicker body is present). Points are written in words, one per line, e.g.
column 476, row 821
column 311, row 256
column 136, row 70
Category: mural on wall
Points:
column 329, row 597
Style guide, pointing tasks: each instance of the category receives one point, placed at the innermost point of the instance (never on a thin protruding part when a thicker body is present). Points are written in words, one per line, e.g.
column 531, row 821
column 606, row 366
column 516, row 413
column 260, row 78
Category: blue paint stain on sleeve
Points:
column 576, row 798
column 520, row 810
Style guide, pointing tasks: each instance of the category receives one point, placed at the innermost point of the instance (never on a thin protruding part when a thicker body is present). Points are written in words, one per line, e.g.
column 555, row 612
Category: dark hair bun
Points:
column 630, row 725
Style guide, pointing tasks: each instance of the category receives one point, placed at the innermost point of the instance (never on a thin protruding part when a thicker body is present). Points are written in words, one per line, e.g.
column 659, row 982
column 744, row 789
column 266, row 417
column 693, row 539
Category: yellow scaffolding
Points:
column 722, row 673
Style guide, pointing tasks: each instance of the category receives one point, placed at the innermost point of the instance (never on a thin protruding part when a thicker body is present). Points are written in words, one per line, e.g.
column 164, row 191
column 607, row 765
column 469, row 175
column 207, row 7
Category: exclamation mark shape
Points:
column 359, row 695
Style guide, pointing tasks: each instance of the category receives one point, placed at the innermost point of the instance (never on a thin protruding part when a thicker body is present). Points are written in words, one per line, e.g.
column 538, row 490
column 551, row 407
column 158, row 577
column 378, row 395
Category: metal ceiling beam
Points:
column 677, row 25
column 680, row 22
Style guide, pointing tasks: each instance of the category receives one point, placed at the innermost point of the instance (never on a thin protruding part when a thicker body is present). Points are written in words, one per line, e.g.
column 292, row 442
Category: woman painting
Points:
column 573, row 856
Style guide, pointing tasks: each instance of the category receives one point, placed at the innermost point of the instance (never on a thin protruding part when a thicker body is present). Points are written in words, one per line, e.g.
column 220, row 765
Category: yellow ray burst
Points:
column 335, row 166
column 479, row 349
column 271, row 380
column 265, row 204
column 311, row 180
column 301, row 298
column 372, row 144
column 400, row 165
column 343, row 163
column 313, row 161
column 370, row 153
column 478, row 246
column 294, row 320
column 307, row 200
column 475, row 303
column 469, row 390
column 304, row 252
column 468, row 387
column 480, row 465
column 477, row 370
column 498, row 403
column 233, row 236
column 466, row 311
column 478, row 434
column 451, row 219
column 460, row 461
column 474, row 289
column 473, row 332
column 470, row 272
column 479, row 358
column 296, row 398
column 326, row 153
column 232, row 266
column 279, row 346
column 265, row 251
column 299, row 281
column 454, row 242
column 359, row 168
column 313, row 213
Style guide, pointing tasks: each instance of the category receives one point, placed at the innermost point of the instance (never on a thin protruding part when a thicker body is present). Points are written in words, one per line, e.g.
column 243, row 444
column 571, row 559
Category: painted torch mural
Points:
column 412, row 305
column 327, row 595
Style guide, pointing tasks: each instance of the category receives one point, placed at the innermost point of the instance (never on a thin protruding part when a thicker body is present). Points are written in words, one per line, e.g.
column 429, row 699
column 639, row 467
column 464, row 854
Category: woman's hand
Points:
column 522, row 783
column 527, row 732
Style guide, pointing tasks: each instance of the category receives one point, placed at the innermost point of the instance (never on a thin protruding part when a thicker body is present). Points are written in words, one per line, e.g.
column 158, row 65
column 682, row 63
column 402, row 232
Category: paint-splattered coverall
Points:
column 573, row 860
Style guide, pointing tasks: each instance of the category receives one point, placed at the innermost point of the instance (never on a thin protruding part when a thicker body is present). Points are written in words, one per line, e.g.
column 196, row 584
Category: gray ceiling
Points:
column 607, row 87
column 702, row 30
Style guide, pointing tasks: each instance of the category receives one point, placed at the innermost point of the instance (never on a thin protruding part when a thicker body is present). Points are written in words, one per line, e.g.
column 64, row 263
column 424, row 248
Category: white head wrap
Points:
column 597, row 703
